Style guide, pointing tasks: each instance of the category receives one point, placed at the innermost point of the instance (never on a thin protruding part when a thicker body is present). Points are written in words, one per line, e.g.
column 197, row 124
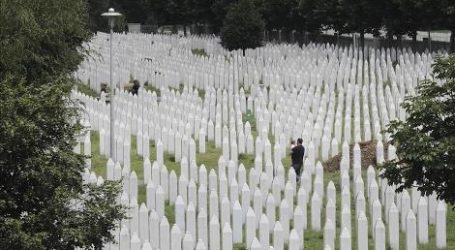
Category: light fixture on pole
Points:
column 111, row 16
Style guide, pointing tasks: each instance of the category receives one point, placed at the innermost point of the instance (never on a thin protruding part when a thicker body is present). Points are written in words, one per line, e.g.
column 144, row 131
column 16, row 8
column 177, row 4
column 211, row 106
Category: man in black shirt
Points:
column 297, row 153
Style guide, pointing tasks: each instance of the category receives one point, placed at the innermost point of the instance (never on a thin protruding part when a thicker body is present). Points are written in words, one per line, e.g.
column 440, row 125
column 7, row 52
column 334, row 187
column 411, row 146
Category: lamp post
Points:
column 111, row 16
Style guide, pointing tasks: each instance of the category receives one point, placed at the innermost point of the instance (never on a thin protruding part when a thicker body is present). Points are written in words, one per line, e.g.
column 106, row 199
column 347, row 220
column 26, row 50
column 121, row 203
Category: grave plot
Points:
column 203, row 149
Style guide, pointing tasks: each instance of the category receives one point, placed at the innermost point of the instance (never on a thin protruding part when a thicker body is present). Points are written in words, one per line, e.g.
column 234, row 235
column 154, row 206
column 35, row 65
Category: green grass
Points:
column 98, row 161
column 199, row 52
column 151, row 88
column 179, row 89
column 169, row 211
column 85, row 89
column 239, row 246
column 247, row 160
column 249, row 117
column 210, row 157
column 201, row 93
column 245, row 89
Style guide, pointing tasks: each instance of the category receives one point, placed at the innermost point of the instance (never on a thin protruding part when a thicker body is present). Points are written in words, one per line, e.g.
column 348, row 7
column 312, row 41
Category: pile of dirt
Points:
column 368, row 156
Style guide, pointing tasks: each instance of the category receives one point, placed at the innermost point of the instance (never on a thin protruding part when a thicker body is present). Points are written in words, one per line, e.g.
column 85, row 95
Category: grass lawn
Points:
column 85, row 89
column 199, row 52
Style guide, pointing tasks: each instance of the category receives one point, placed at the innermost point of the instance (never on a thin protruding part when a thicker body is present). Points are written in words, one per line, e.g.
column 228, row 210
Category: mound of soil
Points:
column 368, row 156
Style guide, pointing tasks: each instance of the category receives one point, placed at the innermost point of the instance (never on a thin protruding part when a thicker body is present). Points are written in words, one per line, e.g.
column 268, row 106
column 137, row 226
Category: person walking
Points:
column 297, row 153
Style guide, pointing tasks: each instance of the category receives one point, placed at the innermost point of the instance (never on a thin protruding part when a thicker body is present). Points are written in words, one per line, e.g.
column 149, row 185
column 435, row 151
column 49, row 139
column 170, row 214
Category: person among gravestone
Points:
column 104, row 87
column 292, row 144
column 297, row 153
column 135, row 88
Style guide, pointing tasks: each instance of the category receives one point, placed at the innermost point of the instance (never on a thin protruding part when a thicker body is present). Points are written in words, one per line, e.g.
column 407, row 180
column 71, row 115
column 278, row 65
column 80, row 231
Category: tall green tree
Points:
column 363, row 16
column 425, row 141
column 394, row 20
column 417, row 15
column 135, row 11
column 44, row 203
column 95, row 8
column 312, row 14
column 281, row 15
column 179, row 12
column 243, row 26
column 448, row 21
column 219, row 10
column 157, row 12
column 170, row 12
column 203, row 13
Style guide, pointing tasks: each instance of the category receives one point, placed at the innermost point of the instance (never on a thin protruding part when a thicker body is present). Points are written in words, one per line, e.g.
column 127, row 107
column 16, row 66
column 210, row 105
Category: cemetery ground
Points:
column 343, row 98
column 312, row 239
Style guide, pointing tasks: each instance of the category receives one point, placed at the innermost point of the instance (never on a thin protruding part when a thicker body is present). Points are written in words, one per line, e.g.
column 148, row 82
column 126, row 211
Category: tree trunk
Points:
column 414, row 42
column 452, row 41
column 400, row 46
column 429, row 40
column 389, row 40
column 362, row 43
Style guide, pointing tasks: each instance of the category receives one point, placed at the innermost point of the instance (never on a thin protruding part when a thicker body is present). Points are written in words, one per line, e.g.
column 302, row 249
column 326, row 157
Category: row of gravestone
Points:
column 187, row 195
column 127, row 57
column 382, row 114
column 260, row 122
column 263, row 107
column 218, row 142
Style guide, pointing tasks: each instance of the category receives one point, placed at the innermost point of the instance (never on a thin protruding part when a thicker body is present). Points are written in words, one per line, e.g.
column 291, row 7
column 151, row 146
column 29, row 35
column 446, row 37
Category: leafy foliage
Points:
column 95, row 8
column 281, row 14
column 397, row 17
column 243, row 26
column 448, row 21
column 364, row 16
column 426, row 140
column 43, row 201
column 39, row 38
column 312, row 14
column 219, row 9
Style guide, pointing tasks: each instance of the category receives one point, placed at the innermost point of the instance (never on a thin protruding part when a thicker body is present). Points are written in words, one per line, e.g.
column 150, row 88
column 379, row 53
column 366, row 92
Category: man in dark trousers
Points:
column 297, row 153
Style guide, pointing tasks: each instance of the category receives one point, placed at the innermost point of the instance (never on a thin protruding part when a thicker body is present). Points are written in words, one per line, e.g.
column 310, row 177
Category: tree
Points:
column 329, row 14
column 310, row 12
column 219, row 10
column 134, row 10
column 203, row 13
column 243, row 26
column 394, row 20
column 157, row 13
column 363, row 16
column 43, row 201
column 95, row 8
column 425, row 142
column 448, row 21
column 280, row 15
column 417, row 15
